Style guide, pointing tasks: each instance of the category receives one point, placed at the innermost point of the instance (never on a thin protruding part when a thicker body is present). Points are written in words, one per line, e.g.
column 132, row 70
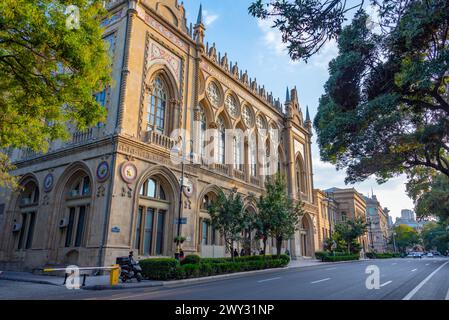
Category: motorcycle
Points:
column 129, row 268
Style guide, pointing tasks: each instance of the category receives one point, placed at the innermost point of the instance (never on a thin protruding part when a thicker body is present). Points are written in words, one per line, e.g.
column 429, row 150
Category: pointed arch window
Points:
column 157, row 105
column 267, row 157
column 203, row 127
column 238, row 163
column 300, row 176
column 253, row 156
column 221, row 141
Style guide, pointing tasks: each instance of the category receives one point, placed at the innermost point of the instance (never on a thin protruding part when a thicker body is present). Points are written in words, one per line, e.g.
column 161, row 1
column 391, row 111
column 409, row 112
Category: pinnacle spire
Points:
column 287, row 96
column 307, row 114
column 200, row 15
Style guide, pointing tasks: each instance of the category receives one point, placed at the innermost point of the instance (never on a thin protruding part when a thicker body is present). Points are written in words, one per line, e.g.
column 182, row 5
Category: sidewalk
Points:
column 102, row 282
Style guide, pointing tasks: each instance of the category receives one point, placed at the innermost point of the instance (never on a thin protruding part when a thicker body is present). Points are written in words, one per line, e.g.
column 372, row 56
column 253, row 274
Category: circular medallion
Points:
column 213, row 93
column 103, row 171
column 129, row 172
column 188, row 188
column 48, row 182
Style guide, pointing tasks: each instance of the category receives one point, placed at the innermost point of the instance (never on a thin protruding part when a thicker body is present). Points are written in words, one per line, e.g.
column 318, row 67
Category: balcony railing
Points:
column 239, row 174
column 222, row 168
column 160, row 140
column 255, row 181
column 82, row 136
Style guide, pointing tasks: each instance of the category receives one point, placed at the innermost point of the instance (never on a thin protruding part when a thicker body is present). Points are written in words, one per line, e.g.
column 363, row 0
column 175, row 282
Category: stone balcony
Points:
column 160, row 140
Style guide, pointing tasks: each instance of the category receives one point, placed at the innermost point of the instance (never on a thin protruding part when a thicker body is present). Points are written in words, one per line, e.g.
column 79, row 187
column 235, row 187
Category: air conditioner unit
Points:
column 16, row 227
column 63, row 223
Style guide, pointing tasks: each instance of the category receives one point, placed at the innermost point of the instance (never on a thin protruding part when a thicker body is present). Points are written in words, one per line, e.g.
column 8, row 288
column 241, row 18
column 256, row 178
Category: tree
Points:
column 228, row 217
column 435, row 236
column 48, row 72
column 405, row 237
column 430, row 193
column 349, row 231
column 278, row 215
column 385, row 108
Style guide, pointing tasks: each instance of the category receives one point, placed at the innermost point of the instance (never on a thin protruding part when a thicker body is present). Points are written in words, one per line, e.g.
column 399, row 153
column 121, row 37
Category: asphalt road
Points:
column 414, row 279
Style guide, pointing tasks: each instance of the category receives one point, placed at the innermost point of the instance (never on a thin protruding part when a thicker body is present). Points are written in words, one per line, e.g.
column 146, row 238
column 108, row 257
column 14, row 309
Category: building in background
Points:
column 378, row 230
column 408, row 214
column 408, row 217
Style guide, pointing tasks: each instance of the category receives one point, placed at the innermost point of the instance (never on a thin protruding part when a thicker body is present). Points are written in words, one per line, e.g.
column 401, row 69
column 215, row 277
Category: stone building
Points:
column 114, row 188
column 378, row 230
column 349, row 204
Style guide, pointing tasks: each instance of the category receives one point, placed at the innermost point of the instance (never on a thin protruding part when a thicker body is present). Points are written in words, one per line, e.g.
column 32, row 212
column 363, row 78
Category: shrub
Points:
column 191, row 259
column 386, row 255
column 159, row 269
column 331, row 258
column 191, row 270
column 321, row 255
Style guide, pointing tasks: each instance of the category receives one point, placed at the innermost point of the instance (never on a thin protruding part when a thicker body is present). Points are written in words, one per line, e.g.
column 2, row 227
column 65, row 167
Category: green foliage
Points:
column 435, row 236
column 386, row 255
column 191, row 259
column 349, row 231
column 429, row 191
column 167, row 269
column 49, row 73
column 228, row 217
column 321, row 255
column 406, row 237
column 278, row 216
column 159, row 269
column 385, row 108
column 332, row 258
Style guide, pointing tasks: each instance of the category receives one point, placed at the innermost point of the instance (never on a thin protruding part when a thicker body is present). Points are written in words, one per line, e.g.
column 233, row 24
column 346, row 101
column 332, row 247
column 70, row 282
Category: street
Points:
column 412, row 279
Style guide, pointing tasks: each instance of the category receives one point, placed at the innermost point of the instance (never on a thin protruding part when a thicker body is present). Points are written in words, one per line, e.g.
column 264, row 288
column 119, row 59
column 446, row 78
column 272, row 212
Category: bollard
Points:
column 114, row 275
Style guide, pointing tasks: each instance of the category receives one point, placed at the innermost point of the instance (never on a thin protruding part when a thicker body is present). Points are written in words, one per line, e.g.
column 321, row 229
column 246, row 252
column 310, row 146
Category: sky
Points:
column 258, row 48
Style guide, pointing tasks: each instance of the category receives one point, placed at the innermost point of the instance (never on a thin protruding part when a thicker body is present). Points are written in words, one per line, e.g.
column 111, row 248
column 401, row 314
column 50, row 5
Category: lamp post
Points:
column 394, row 241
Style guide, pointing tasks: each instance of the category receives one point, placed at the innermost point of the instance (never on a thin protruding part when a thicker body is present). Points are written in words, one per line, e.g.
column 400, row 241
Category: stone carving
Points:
column 100, row 191
column 165, row 32
column 127, row 191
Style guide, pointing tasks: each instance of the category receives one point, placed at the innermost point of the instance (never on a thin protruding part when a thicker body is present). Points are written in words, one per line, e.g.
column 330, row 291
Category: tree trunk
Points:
column 264, row 245
column 278, row 246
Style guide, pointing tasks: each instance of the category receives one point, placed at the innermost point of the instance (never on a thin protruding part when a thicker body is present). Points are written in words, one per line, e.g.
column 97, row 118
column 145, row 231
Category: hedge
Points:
column 331, row 258
column 159, row 269
column 386, row 255
column 170, row 269
column 191, row 259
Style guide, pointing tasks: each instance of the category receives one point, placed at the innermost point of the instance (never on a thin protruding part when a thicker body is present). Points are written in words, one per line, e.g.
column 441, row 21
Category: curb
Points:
column 29, row 280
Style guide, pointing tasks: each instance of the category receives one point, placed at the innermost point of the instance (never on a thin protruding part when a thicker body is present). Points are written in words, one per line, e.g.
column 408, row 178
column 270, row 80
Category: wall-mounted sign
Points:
column 183, row 221
column 103, row 171
column 48, row 182
column 115, row 229
column 128, row 172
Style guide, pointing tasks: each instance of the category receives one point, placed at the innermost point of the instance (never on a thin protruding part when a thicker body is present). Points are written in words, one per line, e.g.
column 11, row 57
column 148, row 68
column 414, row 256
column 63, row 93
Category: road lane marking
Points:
column 331, row 268
column 322, row 280
column 269, row 279
column 393, row 264
column 414, row 270
column 447, row 295
column 419, row 286
column 427, row 264
column 386, row 283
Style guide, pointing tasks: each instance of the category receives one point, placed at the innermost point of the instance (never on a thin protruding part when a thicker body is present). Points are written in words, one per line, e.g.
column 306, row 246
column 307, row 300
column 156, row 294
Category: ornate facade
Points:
column 114, row 188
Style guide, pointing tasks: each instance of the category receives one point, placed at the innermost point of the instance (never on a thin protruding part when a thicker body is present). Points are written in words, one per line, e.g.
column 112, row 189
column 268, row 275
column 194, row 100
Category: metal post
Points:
column 180, row 209
column 394, row 241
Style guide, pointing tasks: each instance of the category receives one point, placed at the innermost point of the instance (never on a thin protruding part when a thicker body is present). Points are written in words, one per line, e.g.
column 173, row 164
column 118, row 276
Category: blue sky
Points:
column 258, row 48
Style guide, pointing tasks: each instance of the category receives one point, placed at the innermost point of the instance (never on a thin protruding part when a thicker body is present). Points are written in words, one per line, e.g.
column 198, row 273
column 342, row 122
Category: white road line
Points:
column 447, row 295
column 322, row 280
column 419, row 286
column 393, row 264
column 414, row 270
column 268, row 279
column 331, row 268
column 427, row 264
column 386, row 283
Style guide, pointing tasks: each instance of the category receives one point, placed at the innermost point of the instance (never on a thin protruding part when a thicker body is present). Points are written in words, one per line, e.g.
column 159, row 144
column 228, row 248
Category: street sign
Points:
column 183, row 221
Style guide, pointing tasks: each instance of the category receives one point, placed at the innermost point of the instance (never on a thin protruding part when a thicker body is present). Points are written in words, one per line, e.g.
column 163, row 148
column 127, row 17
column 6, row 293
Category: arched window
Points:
column 238, row 160
column 300, row 176
column 152, row 218
column 28, row 206
column 253, row 156
column 203, row 128
column 77, row 204
column 157, row 105
column 221, row 141
column 267, row 157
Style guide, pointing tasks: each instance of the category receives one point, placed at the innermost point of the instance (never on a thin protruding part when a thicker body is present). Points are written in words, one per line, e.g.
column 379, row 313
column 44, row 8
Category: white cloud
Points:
column 272, row 38
column 325, row 55
column 209, row 18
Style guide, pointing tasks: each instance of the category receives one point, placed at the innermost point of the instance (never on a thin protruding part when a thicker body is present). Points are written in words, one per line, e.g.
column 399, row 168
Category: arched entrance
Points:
column 306, row 237
column 153, row 232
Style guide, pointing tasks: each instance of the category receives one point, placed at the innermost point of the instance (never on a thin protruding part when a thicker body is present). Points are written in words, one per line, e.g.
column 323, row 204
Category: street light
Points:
column 394, row 241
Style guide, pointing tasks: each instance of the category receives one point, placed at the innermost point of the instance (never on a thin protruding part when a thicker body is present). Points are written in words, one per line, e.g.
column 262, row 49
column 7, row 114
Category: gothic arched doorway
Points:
column 306, row 233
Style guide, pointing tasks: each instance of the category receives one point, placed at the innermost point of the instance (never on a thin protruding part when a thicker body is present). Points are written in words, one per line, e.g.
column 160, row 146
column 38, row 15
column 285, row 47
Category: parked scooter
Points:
column 129, row 268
